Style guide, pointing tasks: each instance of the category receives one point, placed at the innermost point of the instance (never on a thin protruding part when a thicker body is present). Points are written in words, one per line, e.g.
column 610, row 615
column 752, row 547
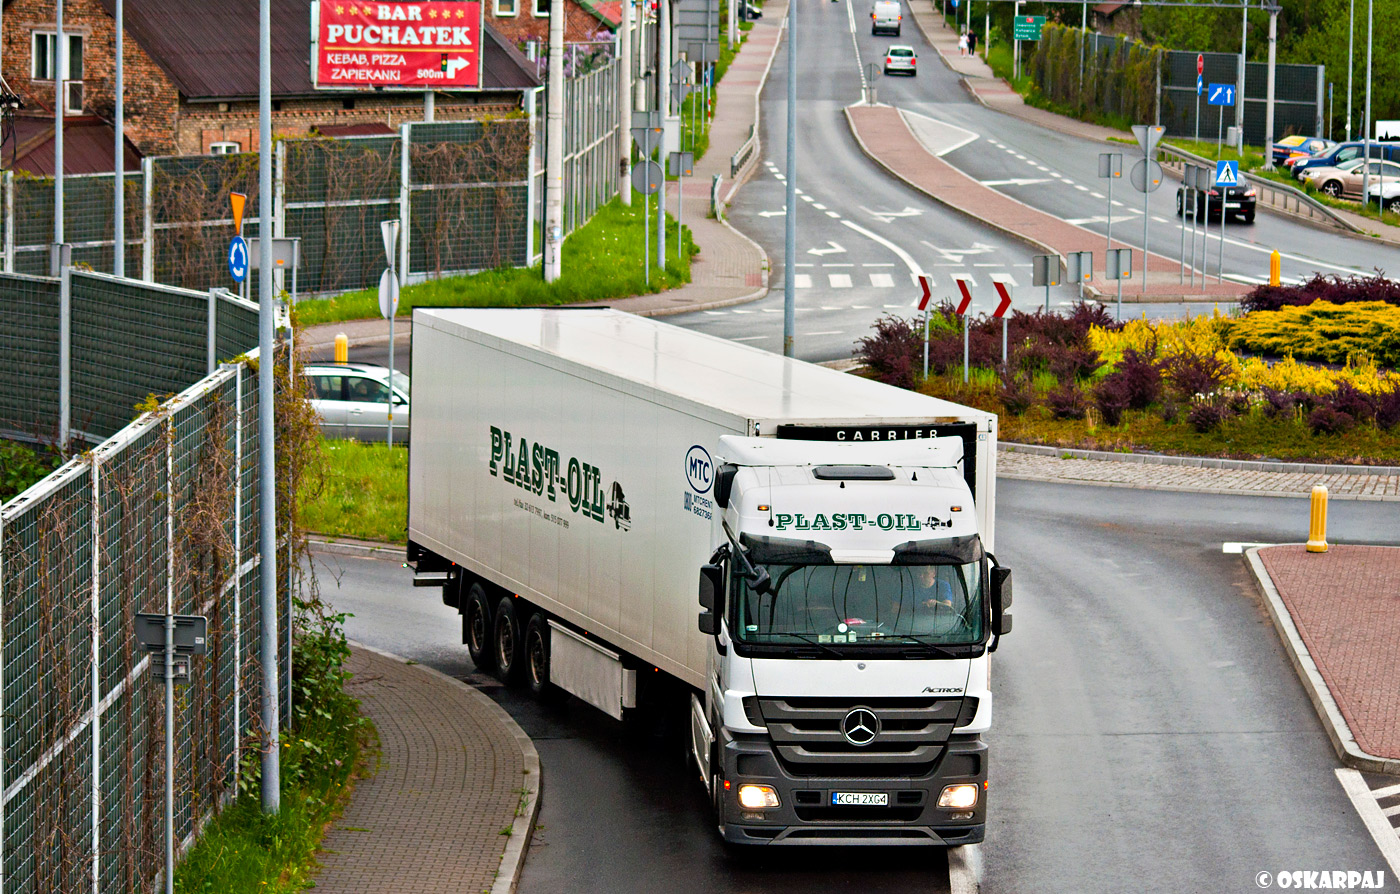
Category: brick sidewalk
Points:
column 885, row 137
column 454, row 772
column 1345, row 604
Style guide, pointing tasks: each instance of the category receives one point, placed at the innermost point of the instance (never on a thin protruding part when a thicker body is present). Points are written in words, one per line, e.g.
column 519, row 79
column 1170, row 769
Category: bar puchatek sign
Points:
column 409, row 45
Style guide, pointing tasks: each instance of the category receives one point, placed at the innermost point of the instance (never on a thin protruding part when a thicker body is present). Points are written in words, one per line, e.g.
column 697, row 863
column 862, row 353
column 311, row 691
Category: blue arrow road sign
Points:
column 1200, row 85
column 238, row 259
column 1221, row 95
column 1227, row 173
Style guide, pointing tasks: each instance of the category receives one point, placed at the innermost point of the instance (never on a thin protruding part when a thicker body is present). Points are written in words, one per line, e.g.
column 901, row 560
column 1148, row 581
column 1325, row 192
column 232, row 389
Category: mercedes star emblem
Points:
column 860, row 727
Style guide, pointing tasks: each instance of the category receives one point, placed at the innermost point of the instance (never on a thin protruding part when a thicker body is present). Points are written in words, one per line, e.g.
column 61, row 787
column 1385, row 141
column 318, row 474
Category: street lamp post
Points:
column 1366, row 120
column 790, row 219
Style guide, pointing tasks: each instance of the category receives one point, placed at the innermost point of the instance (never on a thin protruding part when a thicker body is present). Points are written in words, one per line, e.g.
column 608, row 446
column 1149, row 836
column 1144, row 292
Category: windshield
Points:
column 865, row 604
column 401, row 381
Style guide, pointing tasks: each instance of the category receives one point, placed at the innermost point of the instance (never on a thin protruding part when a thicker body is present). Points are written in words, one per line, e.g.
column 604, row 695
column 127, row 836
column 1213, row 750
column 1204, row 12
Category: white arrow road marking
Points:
column 956, row 255
column 839, row 280
column 1015, row 181
column 881, row 281
column 887, row 216
column 802, row 280
column 773, row 213
column 834, row 250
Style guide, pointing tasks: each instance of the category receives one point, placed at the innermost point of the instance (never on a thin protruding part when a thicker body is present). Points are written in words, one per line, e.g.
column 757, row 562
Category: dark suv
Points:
column 1239, row 202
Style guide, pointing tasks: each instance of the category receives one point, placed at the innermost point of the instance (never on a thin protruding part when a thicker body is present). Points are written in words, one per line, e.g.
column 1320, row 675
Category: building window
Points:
column 225, row 148
column 542, row 8
column 505, row 7
column 44, row 61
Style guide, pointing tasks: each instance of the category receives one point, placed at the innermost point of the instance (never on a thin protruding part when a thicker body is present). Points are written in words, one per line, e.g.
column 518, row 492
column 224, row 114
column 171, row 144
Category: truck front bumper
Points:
column 807, row 816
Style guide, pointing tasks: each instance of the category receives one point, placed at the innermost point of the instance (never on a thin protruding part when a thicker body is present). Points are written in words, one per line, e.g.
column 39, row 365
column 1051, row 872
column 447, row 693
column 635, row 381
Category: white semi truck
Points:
column 573, row 473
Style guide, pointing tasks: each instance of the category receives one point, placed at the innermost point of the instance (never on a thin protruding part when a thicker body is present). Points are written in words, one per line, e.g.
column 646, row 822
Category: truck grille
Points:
column 807, row 735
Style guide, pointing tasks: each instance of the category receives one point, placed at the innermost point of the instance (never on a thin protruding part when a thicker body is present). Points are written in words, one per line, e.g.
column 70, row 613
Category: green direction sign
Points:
column 1028, row 27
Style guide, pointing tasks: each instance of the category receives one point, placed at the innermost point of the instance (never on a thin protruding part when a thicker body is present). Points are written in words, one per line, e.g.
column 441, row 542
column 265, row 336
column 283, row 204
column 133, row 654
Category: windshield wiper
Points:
column 807, row 639
column 914, row 639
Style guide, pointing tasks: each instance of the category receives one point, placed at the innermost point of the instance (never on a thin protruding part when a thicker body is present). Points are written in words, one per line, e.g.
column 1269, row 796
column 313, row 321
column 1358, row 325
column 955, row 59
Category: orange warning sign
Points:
column 237, row 199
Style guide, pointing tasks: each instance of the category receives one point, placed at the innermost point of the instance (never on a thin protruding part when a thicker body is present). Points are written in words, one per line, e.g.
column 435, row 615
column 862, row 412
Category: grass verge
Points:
column 323, row 754
column 364, row 493
column 602, row 261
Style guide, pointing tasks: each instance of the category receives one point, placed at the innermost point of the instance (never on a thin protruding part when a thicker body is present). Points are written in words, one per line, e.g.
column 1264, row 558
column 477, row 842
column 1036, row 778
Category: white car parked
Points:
column 352, row 400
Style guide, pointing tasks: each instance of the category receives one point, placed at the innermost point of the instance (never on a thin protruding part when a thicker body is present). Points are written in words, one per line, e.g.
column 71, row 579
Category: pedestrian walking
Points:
column 972, row 43
column 962, row 44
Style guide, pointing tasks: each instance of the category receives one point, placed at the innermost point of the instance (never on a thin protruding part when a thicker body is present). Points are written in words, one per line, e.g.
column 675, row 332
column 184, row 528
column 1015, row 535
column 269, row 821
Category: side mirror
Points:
column 1001, row 600
column 711, row 598
column 724, row 483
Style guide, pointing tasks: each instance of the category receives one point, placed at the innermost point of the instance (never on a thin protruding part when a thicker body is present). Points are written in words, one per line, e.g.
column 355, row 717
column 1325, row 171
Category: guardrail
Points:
column 739, row 159
column 1272, row 193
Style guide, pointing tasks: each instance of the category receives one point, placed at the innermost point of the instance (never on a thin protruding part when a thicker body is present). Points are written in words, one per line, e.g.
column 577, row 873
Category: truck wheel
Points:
column 476, row 627
column 508, row 643
column 537, row 660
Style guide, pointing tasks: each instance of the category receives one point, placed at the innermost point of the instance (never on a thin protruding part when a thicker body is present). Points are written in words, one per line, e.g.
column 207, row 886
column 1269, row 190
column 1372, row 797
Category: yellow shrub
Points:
column 1333, row 333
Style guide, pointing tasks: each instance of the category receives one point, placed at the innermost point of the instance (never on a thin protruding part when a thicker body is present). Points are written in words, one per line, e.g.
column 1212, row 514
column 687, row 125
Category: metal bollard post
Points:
column 1317, row 524
column 1275, row 268
column 342, row 348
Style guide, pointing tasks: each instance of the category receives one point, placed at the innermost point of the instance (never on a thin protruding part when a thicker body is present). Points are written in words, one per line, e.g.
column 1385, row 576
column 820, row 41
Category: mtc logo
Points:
column 699, row 469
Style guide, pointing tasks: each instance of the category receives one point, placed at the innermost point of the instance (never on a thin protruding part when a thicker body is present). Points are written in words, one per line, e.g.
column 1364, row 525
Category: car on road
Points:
column 1345, row 180
column 1299, row 145
column 885, row 17
column 352, row 400
column 1239, row 202
column 901, row 59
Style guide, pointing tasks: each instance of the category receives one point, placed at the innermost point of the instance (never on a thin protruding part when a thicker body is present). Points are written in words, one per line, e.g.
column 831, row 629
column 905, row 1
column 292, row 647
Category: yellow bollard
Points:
column 1275, row 268
column 342, row 348
column 1317, row 525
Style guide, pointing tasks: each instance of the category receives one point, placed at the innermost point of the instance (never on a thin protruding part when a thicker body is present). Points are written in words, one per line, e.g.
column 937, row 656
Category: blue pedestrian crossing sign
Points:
column 238, row 259
column 1220, row 94
column 1227, row 173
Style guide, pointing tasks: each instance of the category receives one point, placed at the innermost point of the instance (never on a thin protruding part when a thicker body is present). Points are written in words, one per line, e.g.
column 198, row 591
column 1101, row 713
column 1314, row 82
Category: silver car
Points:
column 901, row 59
column 352, row 400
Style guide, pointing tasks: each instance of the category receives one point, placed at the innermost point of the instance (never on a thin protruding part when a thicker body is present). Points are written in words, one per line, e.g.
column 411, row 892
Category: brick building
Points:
column 191, row 76
column 521, row 21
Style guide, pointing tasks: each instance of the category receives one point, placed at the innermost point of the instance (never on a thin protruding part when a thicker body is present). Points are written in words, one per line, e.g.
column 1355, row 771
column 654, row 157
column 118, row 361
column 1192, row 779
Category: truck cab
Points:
column 851, row 608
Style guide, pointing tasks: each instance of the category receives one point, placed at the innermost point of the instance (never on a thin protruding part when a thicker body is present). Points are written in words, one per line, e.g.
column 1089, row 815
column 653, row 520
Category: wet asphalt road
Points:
column 1149, row 735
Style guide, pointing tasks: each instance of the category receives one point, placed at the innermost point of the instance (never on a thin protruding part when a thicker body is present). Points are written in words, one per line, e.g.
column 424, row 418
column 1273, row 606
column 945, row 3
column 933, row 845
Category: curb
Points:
column 508, row 876
column 1343, row 742
column 365, row 549
column 1203, row 462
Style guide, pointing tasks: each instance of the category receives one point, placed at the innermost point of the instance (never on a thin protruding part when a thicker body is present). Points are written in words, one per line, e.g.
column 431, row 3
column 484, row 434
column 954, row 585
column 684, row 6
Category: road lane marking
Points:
column 877, row 265
column 898, row 252
column 802, row 280
column 742, row 311
column 819, row 206
column 1364, row 800
column 969, row 136
column 806, row 198
column 1081, row 187
column 1015, row 181
column 965, row 869
column 832, row 214
column 749, row 338
column 838, row 265
column 839, row 280
column 881, row 281
column 1098, row 195
column 830, row 332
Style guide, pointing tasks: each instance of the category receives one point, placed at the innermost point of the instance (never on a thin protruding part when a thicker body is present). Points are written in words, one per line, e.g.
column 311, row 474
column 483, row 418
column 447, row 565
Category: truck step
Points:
column 431, row 579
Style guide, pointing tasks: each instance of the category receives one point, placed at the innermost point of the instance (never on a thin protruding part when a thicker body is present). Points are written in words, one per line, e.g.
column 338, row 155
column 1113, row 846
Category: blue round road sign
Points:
column 238, row 259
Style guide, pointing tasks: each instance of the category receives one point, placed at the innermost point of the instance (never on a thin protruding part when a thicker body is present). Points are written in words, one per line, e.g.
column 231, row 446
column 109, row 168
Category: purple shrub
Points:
column 1075, row 362
column 1171, row 411
column 1141, row 379
column 1388, row 408
column 1349, row 399
column 1112, row 396
column 1334, row 288
column 1277, row 403
column 1192, row 374
column 894, row 350
column 1067, row 401
column 1239, row 404
column 1016, row 392
column 1327, row 420
column 1206, row 415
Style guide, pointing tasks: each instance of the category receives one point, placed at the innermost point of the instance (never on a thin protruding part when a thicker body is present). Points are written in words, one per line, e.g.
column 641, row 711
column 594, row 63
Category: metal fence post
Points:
column 404, row 202
column 213, row 323
column 9, row 221
column 148, row 227
column 65, row 356
column 279, row 214
column 96, row 677
column 238, row 564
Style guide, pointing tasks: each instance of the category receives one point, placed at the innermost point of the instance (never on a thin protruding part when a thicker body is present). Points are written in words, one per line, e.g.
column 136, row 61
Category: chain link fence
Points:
column 1125, row 78
column 160, row 517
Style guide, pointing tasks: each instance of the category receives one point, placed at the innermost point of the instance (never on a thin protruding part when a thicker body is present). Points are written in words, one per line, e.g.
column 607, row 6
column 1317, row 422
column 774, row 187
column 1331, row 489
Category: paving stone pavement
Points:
column 1168, row 473
column 454, row 772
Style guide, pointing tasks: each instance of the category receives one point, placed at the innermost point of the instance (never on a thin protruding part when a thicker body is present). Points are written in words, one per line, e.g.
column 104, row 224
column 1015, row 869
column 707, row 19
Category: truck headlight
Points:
column 763, row 797
column 959, row 797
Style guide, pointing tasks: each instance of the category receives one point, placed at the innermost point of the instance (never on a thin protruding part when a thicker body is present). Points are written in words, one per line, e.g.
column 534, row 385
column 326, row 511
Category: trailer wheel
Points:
column 476, row 627
column 537, row 660
column 508, row 642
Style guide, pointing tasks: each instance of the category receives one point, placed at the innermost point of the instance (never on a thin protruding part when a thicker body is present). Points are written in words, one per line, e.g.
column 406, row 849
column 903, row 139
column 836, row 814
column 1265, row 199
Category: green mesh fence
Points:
column 151, row 518
column 29, row 357
column 88, row 212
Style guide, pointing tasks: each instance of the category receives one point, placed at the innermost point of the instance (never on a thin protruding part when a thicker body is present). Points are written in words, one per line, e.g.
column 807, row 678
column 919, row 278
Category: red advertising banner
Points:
column 413, row 45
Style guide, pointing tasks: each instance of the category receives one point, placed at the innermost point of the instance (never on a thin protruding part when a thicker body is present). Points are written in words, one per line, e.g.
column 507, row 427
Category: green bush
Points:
column 21, row 466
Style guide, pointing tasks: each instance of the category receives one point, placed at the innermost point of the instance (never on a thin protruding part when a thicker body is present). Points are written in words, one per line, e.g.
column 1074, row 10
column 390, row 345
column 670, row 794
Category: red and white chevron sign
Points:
column 926, row 285
column 966, row 295
column 1005, row 299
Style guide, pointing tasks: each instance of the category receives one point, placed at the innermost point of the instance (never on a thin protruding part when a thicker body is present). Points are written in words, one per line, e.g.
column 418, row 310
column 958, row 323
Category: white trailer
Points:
column 573, row 472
